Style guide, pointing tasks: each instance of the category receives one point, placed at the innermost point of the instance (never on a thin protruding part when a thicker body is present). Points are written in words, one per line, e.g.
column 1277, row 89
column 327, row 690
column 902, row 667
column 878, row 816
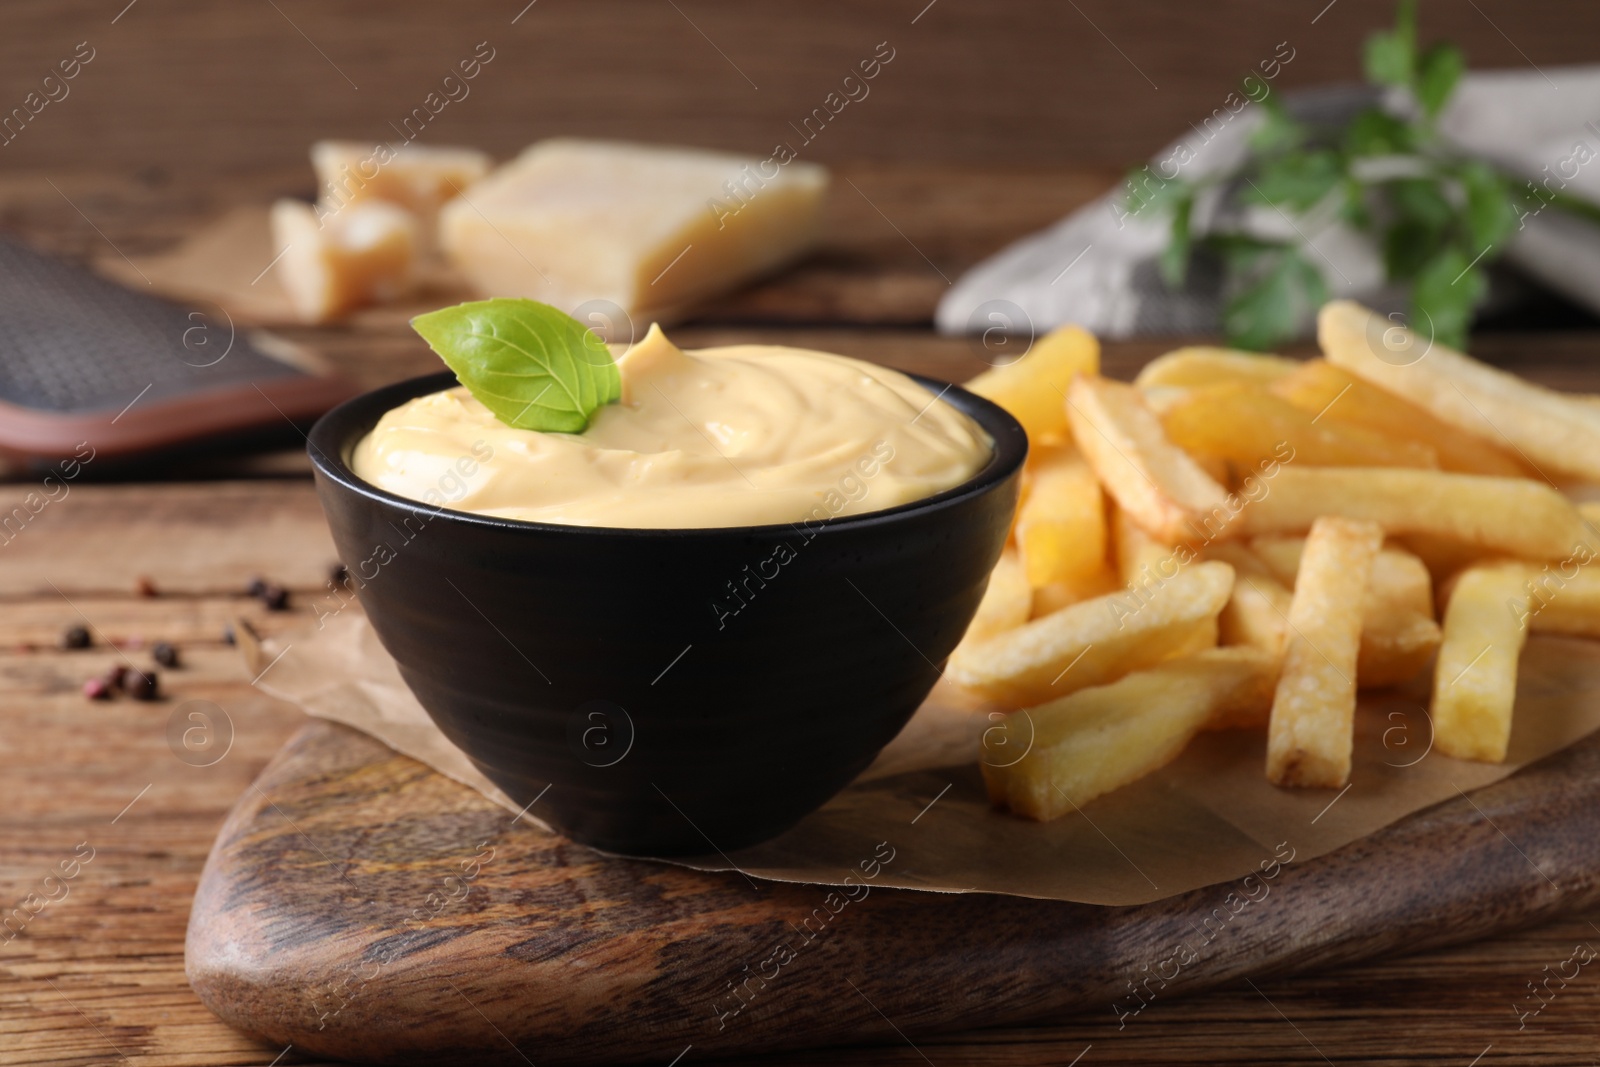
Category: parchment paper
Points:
column 230, row 263
column 1208, row 817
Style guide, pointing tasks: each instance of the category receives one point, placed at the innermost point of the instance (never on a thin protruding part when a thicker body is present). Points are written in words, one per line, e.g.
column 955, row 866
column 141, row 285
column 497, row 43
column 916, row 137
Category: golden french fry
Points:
column 1398, row 632
column 1061, row 529
column 1257, row 614
column 1396, row 651
column 1400, row 581
column 1158, row 484
column 1331, row 394
column 1475, row 682
column 1248, row 425
column 1564, row 598
column 1556, row 432
column 1444, row 556
column 1095, row 641
column 1006, row 601
column 1082, row 746
column 1034, row 388
column 1049, row 599
column 1137, row 554
column 1206, row 365
column 1513, row 516
column 1312, row 729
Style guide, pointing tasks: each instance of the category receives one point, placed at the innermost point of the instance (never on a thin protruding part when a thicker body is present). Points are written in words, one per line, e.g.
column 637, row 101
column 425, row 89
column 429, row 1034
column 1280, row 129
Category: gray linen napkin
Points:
column 1098, row 266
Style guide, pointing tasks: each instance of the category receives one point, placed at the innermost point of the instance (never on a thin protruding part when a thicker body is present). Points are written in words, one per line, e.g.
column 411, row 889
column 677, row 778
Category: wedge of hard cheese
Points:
column 329, row 264
column 414, row 176
column 649, row 229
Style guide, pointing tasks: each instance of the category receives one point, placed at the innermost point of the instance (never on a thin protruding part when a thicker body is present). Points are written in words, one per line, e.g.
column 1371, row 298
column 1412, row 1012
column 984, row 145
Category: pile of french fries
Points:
column 1244, row 541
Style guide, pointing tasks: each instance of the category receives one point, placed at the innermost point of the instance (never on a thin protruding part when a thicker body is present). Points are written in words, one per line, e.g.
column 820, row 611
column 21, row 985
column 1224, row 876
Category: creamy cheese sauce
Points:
column 739, row 436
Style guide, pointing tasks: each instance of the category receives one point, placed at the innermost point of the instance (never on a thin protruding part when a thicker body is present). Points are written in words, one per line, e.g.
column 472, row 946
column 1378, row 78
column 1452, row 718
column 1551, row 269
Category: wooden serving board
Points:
column 359, row 905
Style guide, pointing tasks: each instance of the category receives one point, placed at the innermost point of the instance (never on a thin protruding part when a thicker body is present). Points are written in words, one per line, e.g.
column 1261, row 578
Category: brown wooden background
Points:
column 229, row 86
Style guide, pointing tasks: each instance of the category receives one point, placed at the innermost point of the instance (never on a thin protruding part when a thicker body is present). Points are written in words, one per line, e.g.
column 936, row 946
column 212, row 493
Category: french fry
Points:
column 1061, row 528
column 1158, row 484
column 1206, row 365
column 1399, row 581
column 1564, row 598
column 1398, row 632
column 1310, row 736
column 1247, row 425
column 1098, row 640
column 1034, row 388
column 1475, row 682
column 1082, row 746
column 1049, row 599
column 1443, row 555
column 1257, row 614
column 1554, row 431
column 1006, row 601
column 1512, row 516
column 1137, row 554
column 1330, row 394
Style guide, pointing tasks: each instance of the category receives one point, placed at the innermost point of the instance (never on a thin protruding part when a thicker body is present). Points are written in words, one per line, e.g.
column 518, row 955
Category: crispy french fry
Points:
column 1443, row 555
column 1137, row 554
column 1082, row 746
column 1556, row 432
column 1248, row 425
column 1257, row 614
column 1564, row 598
column 1330, row 394
column 1034, row 388
column 1206, row 365
column 1398, row 632
column 1049, row 599
column 1158, row 484
column 1311, row 733
column 1396, row 651
column 1061, row 529
column 1006, row 602
column 1399, row 581
column 1098, row 640
column 1475, row 682
column 1513, row 516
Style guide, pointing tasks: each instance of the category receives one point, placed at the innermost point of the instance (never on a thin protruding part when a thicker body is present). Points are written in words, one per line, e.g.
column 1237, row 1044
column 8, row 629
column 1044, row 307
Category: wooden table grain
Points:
column 95, row 975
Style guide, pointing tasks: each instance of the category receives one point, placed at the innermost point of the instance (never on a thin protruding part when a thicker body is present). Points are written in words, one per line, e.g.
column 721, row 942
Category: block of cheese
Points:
column 650, row 229
column 329, row 264
column 414, row 176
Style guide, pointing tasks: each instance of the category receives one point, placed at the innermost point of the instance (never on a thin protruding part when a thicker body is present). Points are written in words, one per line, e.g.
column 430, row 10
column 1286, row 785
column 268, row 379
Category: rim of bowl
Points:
column 336, row 433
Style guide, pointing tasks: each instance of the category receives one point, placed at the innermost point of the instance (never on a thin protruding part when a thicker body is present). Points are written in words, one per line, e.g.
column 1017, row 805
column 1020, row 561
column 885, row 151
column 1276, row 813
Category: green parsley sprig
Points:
column 1438, row 219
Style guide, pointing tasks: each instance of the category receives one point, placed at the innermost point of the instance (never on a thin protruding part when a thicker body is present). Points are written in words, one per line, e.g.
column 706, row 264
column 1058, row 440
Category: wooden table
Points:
column 97, row 976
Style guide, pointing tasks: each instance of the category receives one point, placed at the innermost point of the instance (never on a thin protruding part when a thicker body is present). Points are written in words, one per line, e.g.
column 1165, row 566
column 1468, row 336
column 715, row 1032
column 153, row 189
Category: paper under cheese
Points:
column 361, row 255
column 746, row 435
column 649, row 229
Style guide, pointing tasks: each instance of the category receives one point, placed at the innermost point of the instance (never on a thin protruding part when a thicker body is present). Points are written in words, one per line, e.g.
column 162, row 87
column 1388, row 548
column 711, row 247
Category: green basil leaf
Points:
column 534, row 366
column 1441, row 67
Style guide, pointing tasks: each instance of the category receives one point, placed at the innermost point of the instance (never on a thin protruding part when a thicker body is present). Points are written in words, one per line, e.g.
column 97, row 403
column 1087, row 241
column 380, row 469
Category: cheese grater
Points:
column 84, row 361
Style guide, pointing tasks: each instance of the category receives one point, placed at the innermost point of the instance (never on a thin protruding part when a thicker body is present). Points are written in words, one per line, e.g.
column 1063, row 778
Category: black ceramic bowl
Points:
column 678, row 691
